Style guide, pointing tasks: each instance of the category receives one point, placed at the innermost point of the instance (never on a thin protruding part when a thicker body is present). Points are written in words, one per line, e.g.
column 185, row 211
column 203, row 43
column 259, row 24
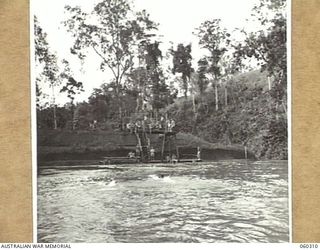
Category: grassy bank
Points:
column 66, row 146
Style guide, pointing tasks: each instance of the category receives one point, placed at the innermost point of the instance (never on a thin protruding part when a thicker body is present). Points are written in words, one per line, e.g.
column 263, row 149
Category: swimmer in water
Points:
column 157, row 177
column 112, row 183
column 167, row 179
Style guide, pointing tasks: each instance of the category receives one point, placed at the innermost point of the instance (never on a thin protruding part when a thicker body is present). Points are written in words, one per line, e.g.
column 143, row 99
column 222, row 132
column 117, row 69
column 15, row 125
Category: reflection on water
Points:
column 228, row 201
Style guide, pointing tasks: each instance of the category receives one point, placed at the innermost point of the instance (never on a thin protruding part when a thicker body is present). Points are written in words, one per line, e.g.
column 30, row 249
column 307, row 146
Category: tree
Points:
column 229, row 68
column 215, row 39
column 160, row 93
column 268, row 46
column 138, row 82
column 48, row 60
column 182, row 64
column 71, row 87
column 51, row 72
column 103, row 104
column 113, row 36
column 149, row 81
column 202, row 80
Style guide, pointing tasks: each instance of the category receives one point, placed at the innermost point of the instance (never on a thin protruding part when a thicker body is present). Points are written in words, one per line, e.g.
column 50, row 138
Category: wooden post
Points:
column 163, row 145
column 178, row 156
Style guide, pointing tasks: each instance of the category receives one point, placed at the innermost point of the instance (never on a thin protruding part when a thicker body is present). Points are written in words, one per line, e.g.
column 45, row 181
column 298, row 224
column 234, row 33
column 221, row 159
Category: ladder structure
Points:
column 169, row 145
column 144, row 146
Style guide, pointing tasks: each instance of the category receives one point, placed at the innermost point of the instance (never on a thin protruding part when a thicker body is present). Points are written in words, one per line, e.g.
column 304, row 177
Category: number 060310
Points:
column 308, row 245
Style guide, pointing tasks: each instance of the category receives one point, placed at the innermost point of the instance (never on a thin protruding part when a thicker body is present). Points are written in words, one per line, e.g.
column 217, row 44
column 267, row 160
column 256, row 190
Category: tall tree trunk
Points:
column 55, row 125
column 277, row 113
column 185, row 86
column 142, row 100
column 284, row 107
column 269, row 83
column 138, row 103
column 216, row 96
column 194, row 113
column 120, row 117
column 119, row 103
column 185, row 92
column 55, row 116
column 226, row 96
column 72, row 116
column 194, row 104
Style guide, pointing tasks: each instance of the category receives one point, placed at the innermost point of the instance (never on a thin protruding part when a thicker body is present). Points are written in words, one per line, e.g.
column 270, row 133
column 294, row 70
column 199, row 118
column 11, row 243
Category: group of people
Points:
column 93, row 124
column 172, row 159
column 150, row 124
column 137, row 154
column 151, row 152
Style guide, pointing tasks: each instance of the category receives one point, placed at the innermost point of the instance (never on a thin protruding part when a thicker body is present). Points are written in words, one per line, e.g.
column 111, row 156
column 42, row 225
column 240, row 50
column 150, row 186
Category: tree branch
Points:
column 126, row 67
column 105, row 60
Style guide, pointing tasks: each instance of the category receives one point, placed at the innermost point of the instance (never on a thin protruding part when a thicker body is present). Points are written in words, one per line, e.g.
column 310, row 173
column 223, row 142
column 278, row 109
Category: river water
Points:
column 225, row 201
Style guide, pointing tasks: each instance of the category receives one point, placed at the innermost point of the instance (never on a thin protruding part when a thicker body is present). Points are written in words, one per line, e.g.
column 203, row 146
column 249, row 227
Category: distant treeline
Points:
column 249, row 116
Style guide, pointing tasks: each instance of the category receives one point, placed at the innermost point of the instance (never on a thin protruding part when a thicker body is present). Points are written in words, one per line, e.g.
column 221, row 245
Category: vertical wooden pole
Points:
column 163, row 145
column 178, row 156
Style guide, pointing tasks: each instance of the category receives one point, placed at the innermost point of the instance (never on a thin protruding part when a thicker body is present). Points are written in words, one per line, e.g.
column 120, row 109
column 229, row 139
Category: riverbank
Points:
column 63, row 147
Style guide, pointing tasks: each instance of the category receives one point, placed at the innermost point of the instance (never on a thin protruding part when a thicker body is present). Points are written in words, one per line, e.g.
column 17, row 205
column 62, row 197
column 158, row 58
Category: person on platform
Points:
column 172, row 125
column 152, row 154
column 151, row 125
column 129, row 127
column 162, row 123
column 157, row 125
column 145, row 123
column 138, row 126
column 168, row 126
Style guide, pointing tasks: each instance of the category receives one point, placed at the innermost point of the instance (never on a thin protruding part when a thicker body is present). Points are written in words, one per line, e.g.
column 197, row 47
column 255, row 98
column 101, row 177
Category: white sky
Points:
column 177, row 19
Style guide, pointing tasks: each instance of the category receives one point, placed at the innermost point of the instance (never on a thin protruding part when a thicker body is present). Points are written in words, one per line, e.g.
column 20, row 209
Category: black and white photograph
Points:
column 161, row 121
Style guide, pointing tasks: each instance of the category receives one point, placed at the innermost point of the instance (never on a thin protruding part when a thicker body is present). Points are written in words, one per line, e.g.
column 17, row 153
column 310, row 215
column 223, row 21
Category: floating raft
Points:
column 117, row 160
column 190, row 160
column 127, row 160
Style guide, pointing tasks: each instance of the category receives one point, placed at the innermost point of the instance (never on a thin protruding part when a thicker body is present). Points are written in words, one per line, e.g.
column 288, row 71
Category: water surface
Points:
column 225, row 201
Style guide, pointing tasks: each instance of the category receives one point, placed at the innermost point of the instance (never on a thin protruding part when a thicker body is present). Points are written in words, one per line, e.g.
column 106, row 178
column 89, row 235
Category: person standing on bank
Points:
column 138, row 152
column 198, row 154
